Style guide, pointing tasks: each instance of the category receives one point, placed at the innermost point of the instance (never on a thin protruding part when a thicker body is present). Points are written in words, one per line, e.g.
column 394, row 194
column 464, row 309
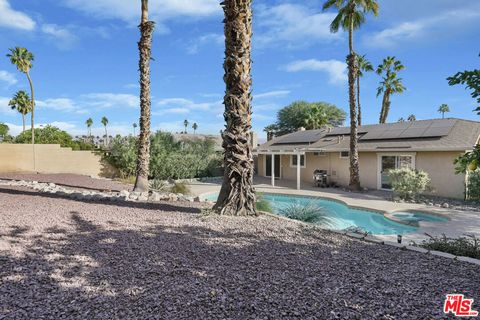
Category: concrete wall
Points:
column 438, row 165
column 51, row 158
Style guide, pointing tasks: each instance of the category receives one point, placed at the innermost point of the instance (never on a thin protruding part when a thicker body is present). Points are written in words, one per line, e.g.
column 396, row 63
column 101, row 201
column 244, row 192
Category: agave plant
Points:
column 158, row 185
column 309, row 212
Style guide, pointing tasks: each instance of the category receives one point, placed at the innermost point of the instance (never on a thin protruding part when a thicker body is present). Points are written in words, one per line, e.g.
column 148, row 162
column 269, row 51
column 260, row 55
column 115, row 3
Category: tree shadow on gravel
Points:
column 195, row 270
column 160, row 206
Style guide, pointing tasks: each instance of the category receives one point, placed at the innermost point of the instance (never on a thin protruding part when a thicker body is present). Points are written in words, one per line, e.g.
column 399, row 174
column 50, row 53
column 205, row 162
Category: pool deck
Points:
column 460, row 224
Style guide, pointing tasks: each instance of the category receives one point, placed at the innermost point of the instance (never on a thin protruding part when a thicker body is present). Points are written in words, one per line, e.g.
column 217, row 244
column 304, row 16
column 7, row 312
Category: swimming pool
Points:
column 339, row 216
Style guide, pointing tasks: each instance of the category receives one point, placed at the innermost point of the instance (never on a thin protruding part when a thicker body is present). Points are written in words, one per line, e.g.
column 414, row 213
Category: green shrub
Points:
column 468, row 246
column 180, row 187
column 310, row 212
column 158, row 185
column 262, row 204
column 473, row 186
column 123, row 155
column 408, row 183
column 53, row 135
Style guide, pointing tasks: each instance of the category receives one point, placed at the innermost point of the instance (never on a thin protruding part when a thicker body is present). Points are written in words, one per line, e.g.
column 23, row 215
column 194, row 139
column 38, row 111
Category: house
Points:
column 428, row 145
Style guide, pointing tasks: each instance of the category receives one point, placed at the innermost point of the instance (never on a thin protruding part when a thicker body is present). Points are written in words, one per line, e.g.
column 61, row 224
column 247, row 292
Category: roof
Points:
column 425, row 135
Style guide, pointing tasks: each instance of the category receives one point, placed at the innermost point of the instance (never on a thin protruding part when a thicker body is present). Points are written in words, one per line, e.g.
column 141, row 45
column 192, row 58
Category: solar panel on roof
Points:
column 300, row 137
column 392, row 134
column 409, row 130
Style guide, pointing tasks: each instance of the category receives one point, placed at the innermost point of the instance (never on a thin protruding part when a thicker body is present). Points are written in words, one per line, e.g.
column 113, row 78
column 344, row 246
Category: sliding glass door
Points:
column 391, row 162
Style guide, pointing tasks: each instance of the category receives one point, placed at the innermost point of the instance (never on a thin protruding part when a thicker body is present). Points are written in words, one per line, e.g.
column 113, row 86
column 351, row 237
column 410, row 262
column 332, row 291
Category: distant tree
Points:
column 351, row 15
column 3, row 130
column 307, row 115
column 89, row 124
column 134, row 127
column 185, row 124
column 194, row 127
column 443, row 109
column 363, row 66
column 105, row 122
column 412, row 117
column 390, row 83
column 22, row 59
column 472, row 81
column 22, row 103
column 401, row 120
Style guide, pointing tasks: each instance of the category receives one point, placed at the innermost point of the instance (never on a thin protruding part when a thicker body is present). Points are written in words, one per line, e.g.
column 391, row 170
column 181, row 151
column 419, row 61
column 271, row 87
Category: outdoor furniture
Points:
column 320, row 178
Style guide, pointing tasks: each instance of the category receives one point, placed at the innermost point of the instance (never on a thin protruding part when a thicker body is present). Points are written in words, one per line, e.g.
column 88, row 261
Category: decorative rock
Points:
column 197, row 199
column 355, row 235
column 445, row 205
column 124, row 193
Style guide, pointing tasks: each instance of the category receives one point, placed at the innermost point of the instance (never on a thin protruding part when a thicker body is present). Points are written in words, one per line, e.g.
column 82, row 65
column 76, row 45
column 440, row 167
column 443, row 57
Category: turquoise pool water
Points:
column 339, row 216
column 415, row 217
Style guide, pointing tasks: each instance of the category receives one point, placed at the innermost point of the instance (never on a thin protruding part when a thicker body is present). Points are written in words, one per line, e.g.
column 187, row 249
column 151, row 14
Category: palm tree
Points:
column 22, row 103
column 443, row 109
column 185, row 124
column 401, row 120
column 134, row 127
column 237, row 195
column 390, row 83
column 412, row 117
column 351, row 14
column 89, row 124
column 22, row 59
column 363, row 66
column 145, row 48
column 105, row 122
column 316, row 119
column 194, row 127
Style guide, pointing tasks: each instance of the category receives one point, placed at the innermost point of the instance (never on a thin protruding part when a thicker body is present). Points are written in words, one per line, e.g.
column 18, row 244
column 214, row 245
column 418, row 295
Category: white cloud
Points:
column 159, row 10
column 60, row 104
column 8, row 78
column 432, row 27
column 209, row 38
column 63, row 37
column 272, row 94
column 181, row 103
column 336, row 70
column 5, row 109
column 10, row 18
column 293, row 23
column 109, row 100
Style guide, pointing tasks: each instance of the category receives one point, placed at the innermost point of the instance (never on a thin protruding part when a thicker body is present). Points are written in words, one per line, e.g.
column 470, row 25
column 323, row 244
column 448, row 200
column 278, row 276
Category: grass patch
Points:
column 180, row 187
column 468, row 246
column 262, row 204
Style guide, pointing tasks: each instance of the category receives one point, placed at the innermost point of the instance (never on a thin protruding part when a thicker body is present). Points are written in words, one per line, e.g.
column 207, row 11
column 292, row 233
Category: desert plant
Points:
column 408, row 183
column 472, row 191
column 180, row 187
column 309, row 212
column 123, row 155
column 158, row 185
column 468, row 246
column 262, row 204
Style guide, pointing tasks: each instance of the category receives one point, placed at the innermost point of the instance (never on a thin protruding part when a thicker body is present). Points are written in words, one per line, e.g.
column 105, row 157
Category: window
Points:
column 345, row 154
column 293, row 161
column 320, row 153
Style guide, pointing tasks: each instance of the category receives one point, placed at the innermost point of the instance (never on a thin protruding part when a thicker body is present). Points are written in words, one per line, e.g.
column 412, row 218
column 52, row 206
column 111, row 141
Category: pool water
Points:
column 339, row 216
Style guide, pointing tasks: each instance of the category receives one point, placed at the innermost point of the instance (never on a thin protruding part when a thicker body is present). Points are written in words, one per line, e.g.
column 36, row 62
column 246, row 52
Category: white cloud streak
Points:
column 336, row 70
column 9, row 78
column 10, row 18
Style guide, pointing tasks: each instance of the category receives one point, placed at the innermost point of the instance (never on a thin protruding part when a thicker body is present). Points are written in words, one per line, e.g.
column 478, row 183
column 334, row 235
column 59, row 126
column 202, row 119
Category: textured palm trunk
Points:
column 106, row 137
column 23, row 121
column 145, row 48
column 385, row 106
column 237, row 195
column 32, row 93
column 359, row 122
column 354, row 184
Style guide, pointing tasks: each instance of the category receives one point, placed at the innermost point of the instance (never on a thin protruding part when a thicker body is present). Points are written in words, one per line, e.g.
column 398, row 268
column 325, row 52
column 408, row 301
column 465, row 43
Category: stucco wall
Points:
column 440, row 168
column 51, row 158
column 438, row 165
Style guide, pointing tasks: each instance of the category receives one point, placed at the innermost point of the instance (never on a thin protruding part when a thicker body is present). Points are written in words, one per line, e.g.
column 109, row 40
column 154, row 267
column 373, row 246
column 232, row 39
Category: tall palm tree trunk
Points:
column 32, row 94
column 237, row 195
column 106, row 137
column 352, row 75
column 385, row 107
column 23, row 121
column 359, row 122
column 145, row 48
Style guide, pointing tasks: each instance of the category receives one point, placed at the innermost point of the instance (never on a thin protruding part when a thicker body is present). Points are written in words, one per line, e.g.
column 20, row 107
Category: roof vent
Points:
column 301, row 129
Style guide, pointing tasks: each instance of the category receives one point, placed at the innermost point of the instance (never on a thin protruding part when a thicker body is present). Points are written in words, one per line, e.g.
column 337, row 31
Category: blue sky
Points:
column 86, row 60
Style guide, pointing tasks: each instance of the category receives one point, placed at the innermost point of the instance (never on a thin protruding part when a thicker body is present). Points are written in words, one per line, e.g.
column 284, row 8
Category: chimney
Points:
column 270, row 135
column 301, row 129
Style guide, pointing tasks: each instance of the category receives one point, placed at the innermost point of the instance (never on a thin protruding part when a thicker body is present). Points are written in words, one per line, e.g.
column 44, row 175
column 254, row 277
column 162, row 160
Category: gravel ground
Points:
column 70, row 180
column 64, row 259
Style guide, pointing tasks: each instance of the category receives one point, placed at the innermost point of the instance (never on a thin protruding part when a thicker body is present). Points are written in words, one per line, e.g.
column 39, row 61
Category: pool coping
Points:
column 379, row 241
